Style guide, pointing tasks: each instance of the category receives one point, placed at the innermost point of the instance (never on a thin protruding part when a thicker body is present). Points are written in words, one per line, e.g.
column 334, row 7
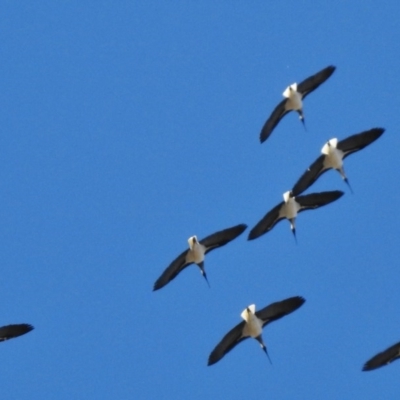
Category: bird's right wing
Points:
column 359, row 141
column 267, row 223
column 383, row 358
column 315, row 200
column 228, row 342
column 12, row 331
column 279, row 309
column 312, row 173
column 223, row 237
column 279, row 112
column 172, row 271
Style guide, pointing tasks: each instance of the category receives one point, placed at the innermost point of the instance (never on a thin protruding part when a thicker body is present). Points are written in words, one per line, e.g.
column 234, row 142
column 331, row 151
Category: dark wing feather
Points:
column 228, row 342
column 311, row 83
column 12, row 331
column 278, row 113
column 267, row 223
column 172, row 271
column 315, row 170
column 315, row 200
column 384, row 358
column 359, row 141
column 279, row 309
column 223, row 237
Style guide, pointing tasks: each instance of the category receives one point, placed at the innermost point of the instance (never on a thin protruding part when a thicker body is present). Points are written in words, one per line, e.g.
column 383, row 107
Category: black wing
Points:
column 359, row 141
column 311, row 83
column 315, row 170
column 279, row 309
column 267, row 223
column 228, row 342
column 12, row 331
column 384, row 358
column 223, row 237
column 279, row 112
column 315, row 200
column 172, row 270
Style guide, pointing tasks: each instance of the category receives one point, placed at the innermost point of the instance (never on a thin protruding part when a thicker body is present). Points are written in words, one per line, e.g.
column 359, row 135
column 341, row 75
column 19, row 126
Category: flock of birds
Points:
column 333, row 154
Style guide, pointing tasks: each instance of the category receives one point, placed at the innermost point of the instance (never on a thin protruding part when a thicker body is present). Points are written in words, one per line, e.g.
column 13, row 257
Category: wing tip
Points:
column 241, row 228
column 330, row 69
column 252, row 235
column 379, row 131
column 14, row 330
column 158, row 285
column 366, row 367
column 213, row 358
column 263, row 136
column 339, row 193
column 300, row 300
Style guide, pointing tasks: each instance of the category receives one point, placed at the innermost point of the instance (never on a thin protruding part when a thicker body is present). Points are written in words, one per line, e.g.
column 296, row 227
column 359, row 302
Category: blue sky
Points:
column 128, row 127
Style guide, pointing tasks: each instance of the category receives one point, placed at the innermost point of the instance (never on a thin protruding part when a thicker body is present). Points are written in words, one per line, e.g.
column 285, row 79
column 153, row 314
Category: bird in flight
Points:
column 294, row 96
column 333, row 154
column 196, row 253
column 289, row 209
column 254, row 322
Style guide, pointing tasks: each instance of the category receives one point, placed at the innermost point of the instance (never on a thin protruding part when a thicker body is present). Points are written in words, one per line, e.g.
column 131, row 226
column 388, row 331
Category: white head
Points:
column 290, row 89
column 287, row 196
column 192, row 241
column 249, row 310
column 329, row 145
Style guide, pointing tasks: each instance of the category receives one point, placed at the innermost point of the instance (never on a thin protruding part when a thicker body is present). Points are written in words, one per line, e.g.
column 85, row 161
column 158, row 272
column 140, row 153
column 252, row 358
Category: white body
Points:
column 253, row 326
column 290, row 209
column 196, row 251
column 334, row 156
column 293, row 98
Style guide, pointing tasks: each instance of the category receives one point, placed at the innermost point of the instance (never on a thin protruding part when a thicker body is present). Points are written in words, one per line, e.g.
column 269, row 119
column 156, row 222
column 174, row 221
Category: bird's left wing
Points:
column 172, row 271
column 267, row 223
column 228, row 342
column 276, row 115
column 312, row 173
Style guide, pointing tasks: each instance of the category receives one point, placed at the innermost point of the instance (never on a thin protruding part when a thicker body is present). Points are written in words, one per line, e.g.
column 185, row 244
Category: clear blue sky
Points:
column 127, row 127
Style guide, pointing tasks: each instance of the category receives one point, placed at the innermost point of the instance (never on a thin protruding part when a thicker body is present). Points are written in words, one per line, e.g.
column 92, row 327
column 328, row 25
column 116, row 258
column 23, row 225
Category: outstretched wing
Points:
column 172, row 271
column 12, row 331
column 311, row 83
column 267, row 223
column 315, row 200
column 228, row 342
column 279, row 309
column 312, row 173
column 223, row 237
column 279, row 112
column 384, row 358
column 359, row 141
